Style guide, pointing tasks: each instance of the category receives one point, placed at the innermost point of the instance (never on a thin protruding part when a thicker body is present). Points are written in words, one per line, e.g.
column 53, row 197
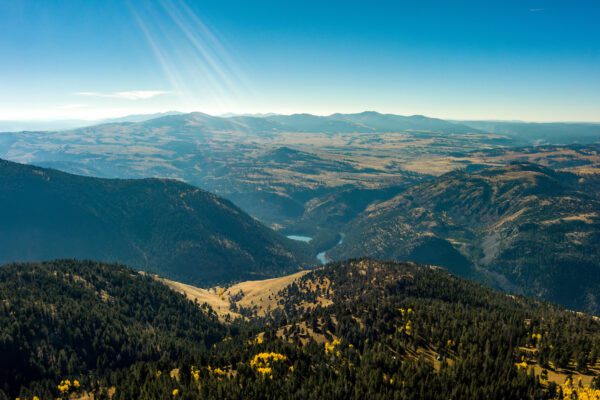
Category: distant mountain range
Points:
column 336, row 123
column 542, row 132
column 524, row 227
column 364, row 122
column 138, row 117
column 157, row 225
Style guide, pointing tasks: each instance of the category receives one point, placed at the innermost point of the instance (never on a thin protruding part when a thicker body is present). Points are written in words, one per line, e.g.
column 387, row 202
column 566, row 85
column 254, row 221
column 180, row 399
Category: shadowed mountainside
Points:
column 158, row 225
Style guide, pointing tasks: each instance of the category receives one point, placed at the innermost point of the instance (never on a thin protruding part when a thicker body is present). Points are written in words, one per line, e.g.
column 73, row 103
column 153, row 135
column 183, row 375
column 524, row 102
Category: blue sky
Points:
column 529, row 60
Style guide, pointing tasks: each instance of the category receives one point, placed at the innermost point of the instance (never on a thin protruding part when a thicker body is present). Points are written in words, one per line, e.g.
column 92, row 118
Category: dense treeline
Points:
column 66, row 318
column 360, row 329
column 395, row 309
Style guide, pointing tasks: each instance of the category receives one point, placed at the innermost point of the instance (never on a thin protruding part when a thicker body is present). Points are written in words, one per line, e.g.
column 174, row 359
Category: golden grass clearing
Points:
column 262, row 294
column 259, row 295
column 559, row 376
column 219, row 304
column 587, row 218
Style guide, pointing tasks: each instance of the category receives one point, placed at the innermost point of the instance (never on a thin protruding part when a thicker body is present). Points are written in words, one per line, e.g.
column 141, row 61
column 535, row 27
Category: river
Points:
column 322, row 256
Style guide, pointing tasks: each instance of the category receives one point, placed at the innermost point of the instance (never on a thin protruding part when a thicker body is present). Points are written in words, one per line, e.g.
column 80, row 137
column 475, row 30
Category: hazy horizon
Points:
column 263, row 114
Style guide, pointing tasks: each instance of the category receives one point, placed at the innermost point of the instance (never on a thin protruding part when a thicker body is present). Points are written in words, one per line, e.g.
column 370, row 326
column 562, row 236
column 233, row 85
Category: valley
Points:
column 284, row 169
column 299, row 200
column 359, row 247
column 326, row 178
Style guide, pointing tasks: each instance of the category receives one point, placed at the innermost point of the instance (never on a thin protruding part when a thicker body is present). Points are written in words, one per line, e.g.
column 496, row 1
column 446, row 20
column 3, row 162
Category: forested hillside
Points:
column 85, row 320
column 157, row 225
column 354, row 330
column 523, row 227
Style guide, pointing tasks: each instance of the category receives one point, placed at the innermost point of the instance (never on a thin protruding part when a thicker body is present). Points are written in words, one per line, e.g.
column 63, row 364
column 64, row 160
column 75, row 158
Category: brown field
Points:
column 584, row 161
column 220, row 304
column 261, row 295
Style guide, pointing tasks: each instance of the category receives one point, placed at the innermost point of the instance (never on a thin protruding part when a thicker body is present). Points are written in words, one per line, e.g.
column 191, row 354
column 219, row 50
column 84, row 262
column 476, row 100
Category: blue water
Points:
column 322, row 258
column 300, row 238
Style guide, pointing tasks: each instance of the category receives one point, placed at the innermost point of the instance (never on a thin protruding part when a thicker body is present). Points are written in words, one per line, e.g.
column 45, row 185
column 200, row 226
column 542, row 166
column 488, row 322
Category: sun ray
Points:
column 193, row 59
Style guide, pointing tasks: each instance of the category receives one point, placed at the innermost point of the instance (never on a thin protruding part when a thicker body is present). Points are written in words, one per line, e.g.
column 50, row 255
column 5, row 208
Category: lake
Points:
column 300, row 238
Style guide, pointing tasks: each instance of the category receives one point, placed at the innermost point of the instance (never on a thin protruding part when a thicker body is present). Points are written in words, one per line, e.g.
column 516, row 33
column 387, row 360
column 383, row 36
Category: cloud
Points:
column 126, row 95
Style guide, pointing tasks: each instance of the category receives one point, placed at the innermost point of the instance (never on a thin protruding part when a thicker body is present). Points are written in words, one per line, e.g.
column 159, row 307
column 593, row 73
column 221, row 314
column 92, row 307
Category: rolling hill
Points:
column 157, row 225
column 421, row 332
column 524, row 227
column 356, row 329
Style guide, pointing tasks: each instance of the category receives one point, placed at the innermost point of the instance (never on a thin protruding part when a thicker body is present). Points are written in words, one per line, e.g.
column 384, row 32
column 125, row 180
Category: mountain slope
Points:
column 66, row 319
column 378, row 330
column 351, row 330
column 392, row 320
column 529, row 228
column 162, row 226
